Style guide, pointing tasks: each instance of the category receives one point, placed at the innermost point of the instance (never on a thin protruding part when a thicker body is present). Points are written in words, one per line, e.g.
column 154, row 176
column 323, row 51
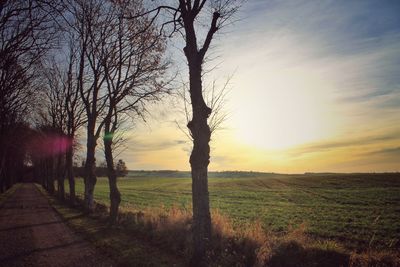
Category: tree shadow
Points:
column 39, row 224
column 7, row 215
column 293, row 254
column 18, row 256
column 27, row 226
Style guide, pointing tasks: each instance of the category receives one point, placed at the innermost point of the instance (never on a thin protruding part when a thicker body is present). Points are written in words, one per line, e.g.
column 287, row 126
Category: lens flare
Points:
column 50, row 145
column 108, row 136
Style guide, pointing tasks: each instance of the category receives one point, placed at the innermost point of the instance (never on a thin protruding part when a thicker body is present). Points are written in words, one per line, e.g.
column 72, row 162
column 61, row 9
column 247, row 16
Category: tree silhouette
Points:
column 65, row 112
column 90, row 23
column 27, row 31
column 184, row 18
column 133, row 69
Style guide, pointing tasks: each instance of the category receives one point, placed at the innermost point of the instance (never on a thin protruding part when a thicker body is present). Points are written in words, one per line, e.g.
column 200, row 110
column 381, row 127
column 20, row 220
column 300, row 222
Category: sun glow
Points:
column 290, row 109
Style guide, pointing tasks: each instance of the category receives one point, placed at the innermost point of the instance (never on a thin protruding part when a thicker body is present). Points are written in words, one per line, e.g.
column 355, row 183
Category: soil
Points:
column 32, row 234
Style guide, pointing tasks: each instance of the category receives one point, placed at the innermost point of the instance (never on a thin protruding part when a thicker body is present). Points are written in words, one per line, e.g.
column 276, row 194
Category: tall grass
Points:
column 247, row 245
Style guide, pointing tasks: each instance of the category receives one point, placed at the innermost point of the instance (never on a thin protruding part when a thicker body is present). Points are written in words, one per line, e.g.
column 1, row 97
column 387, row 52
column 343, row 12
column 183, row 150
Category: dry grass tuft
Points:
column 221, row 225
column 374, row 258
column 250, row 244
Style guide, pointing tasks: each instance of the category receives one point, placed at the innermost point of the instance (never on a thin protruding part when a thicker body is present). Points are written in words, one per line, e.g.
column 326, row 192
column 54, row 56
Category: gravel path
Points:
column 32, row 234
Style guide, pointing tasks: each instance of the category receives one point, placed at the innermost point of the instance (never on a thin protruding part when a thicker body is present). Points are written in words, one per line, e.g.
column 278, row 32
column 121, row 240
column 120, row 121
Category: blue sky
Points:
column 316, row 87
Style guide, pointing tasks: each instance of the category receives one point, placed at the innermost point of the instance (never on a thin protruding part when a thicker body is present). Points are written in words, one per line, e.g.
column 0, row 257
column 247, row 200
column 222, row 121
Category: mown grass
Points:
column 360, row 211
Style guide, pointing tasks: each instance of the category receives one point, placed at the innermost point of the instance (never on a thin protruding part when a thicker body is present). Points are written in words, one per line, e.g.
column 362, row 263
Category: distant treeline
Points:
column 241, row 174
column 100, row 171
column 186, row 174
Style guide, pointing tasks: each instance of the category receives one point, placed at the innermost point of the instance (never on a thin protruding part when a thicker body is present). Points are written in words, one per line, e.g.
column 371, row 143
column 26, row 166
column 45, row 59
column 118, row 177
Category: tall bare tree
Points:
column 91, row 23
column 54, row 119
column 186, row 17
column 65, row 110
column 134, row 69
column 74, row 115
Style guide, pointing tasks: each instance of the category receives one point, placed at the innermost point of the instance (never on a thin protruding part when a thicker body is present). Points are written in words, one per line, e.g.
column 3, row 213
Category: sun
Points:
column 288, row 108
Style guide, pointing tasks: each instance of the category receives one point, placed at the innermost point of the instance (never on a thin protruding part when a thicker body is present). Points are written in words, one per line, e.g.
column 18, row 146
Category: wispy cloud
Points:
column 146, row 145
column 357, row 41
column 344, row 143
column 318, row 78
column 387, row 152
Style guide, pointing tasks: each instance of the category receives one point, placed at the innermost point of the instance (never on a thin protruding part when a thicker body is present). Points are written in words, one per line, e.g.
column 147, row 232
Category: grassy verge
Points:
column 122, row 245
column 162, row 237
column 9, row 192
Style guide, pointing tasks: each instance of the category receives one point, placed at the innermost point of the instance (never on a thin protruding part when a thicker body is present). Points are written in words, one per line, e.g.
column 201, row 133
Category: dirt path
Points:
column 32, row 234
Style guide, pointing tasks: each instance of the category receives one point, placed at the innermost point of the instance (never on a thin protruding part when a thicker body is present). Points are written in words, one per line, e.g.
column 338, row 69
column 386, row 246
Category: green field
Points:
column 358, row 210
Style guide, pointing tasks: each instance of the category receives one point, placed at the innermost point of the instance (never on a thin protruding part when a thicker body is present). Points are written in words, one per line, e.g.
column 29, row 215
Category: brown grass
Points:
column 374, row 258
column 250, row 244
column 247, row 245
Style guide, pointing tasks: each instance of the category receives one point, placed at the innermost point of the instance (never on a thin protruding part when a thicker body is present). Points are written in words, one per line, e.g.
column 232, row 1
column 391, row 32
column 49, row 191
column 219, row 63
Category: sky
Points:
column 315, row 87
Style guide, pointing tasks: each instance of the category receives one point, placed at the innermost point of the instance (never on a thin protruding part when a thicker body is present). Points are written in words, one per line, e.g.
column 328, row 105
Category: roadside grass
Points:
column 9, row 192
column 359, row 211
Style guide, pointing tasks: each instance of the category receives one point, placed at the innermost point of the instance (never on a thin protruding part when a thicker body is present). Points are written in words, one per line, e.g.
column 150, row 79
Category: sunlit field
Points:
column 358, row 210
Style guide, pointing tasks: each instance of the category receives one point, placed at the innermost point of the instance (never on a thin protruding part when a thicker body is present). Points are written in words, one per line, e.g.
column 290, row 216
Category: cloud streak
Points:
column 387, row 152
column 140, row 145
column 316, row 84
column 345, row 143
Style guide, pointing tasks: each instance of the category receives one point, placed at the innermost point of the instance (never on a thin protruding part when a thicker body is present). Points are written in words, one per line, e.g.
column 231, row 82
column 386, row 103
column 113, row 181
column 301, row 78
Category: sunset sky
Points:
column 315, row 87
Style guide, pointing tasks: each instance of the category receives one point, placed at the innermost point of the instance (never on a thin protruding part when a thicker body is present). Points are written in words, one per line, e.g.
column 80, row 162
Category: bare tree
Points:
column 73, row 109
column 65, row 110
column 184, row 18
column 75, row 118
column 54, row 118
column 91, row 23
column 133, row 71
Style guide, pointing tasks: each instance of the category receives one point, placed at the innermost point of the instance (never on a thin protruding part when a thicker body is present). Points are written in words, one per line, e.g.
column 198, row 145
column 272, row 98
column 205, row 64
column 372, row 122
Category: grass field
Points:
column 358, row 210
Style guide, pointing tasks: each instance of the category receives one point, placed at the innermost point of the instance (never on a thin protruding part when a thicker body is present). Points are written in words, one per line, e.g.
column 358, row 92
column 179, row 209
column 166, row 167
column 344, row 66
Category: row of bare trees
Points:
column 28, row 32
column 101, row 62
column 109, row 64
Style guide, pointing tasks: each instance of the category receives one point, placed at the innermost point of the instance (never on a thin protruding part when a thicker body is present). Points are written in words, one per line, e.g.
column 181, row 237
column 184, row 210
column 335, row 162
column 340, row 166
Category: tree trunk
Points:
column 70, row 175
column 42, row 173
column 50, row 175
column 90, row 169
column 1, row 185
column 115, row 198
column 199, row 160
column 201, row 214
column 115, row 195
column 2, row 163
column 2, row 177
column 61, row 188
column 60, row 177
